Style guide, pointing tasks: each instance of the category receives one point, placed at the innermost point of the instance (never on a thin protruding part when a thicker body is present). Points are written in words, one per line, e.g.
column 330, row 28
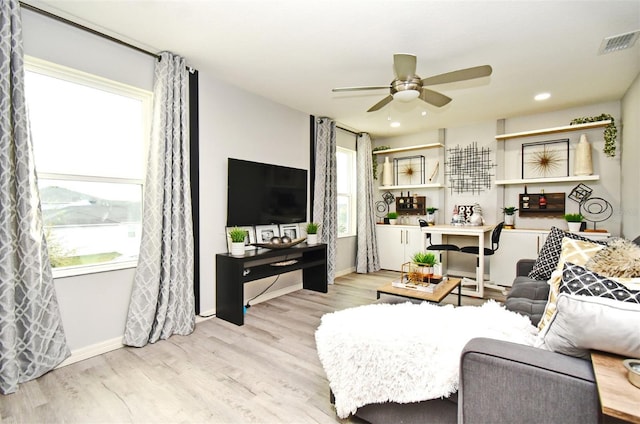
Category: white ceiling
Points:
column 294, row 51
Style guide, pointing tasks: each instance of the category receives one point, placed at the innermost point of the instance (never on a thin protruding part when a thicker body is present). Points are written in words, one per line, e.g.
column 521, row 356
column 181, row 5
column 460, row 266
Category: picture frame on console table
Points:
column 264, row 233
column 290, row 230
column 248, row 240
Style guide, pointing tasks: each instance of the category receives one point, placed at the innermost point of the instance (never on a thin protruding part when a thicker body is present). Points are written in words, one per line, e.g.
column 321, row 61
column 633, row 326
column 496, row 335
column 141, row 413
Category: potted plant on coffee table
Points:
column 426, row 261
column 237, row 236
column 312, row 232
column 574, row 221
column 509, row 216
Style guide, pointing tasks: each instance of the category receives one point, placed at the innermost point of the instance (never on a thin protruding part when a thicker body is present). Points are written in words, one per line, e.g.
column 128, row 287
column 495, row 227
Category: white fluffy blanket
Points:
column 406, row 352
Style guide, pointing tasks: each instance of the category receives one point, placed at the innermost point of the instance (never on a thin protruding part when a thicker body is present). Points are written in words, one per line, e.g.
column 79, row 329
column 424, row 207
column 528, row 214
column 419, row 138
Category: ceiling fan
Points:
column 407, row 85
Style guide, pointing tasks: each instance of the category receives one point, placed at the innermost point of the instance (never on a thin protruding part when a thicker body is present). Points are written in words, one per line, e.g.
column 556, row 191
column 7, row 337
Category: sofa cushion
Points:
column 621, row 258
column 572, row 250
column 583, row 323
column 549, row 255
column 579, row 280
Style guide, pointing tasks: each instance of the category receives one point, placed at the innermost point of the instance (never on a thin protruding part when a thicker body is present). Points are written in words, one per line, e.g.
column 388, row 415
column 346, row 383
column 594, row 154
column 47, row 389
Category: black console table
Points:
column 232, row 272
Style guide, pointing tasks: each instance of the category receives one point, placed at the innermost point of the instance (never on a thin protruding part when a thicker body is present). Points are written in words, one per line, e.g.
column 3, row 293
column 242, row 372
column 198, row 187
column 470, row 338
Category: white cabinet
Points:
column 519, row 244
column 397, row 243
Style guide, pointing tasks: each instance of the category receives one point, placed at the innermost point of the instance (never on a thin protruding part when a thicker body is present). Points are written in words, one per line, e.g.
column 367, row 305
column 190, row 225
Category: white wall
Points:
column 237, row 124
column 630, row 153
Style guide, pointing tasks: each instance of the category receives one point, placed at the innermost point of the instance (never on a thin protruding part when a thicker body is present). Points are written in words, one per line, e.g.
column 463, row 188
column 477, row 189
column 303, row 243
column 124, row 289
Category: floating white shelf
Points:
column 566, row 128
column 577, row 178
column 408, row 148
column 412, row 186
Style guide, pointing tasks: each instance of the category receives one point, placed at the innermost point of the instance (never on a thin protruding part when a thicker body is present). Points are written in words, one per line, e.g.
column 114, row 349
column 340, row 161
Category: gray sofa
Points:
column 502, row 382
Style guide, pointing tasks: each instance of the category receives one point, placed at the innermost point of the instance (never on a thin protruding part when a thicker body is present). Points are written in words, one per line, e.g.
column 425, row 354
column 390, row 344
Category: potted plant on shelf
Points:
column 312, row 232
column 509, row 216
column 431, row 216
column 426, row 261
column 574, row 221
column 237, row 236
column 392, row 217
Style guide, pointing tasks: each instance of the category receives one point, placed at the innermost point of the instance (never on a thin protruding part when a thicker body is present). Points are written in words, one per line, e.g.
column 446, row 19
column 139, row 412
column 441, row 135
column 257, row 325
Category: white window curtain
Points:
column 32, row 340
column 162, row 300
column 325, row 207
column 367, row 252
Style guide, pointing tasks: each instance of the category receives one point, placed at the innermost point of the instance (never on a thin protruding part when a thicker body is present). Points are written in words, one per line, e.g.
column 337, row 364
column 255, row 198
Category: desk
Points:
column 618, row 397
column 482, row 232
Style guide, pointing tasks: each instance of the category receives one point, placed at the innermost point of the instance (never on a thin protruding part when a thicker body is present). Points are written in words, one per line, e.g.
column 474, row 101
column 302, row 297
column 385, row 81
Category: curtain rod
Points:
column 87, row 29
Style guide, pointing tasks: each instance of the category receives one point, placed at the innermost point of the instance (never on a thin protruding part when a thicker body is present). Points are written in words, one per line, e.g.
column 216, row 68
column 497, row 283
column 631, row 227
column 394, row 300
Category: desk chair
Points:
column 441, row 247
column 475, row 250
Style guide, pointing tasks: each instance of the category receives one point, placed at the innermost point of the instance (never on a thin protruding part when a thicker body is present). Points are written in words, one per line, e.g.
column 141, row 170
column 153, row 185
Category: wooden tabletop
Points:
column 441, row 291
column 618, row 397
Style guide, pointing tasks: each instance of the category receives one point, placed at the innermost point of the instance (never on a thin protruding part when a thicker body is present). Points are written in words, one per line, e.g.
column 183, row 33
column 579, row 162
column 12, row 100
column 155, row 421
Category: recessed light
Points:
column 542, row 96
column 395, row 124
column 424, row 113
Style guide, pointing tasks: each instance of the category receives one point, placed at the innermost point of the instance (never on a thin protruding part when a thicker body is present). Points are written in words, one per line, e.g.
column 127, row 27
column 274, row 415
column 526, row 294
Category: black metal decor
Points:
column 469, row 168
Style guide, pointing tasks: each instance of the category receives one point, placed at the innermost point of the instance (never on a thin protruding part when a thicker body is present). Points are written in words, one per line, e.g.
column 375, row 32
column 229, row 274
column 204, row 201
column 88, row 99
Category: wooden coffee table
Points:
column 441, row 291
column 618, row 397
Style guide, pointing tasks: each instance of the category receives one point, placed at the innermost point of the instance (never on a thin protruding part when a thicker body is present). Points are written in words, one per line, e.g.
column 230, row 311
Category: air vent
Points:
column 618, row 42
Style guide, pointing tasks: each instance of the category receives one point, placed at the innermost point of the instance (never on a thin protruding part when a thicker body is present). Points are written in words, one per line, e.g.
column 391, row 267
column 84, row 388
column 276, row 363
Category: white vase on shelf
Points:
column 583, row 164
column 387, row 173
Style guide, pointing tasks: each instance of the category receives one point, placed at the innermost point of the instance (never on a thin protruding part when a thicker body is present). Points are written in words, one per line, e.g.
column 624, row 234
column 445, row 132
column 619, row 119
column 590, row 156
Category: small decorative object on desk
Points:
column 476, row 218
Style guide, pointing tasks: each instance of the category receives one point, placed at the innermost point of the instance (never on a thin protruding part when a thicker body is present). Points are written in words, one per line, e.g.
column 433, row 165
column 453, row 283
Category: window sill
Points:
column 74, row 271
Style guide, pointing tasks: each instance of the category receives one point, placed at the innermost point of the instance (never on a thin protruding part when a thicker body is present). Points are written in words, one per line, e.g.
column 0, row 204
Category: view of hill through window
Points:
column 89, row 142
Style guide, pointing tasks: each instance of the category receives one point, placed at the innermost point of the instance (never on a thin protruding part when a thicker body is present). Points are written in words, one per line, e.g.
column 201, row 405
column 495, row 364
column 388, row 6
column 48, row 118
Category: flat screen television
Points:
column 263, row 194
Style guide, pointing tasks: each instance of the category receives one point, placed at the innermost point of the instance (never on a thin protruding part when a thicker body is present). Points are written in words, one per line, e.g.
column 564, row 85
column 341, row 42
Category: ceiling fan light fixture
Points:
column 406, row 96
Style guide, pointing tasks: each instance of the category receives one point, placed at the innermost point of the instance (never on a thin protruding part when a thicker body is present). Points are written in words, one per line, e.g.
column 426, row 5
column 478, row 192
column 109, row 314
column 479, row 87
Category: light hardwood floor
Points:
column 266, row 371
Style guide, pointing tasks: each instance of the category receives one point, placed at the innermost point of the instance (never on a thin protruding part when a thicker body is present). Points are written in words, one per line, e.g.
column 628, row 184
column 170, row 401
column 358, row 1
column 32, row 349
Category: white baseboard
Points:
column 91, row 351
column 344, row 272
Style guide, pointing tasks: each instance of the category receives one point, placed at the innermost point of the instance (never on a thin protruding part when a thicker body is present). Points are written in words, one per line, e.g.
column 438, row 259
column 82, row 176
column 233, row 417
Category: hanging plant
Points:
column 374, row 160
column 610, row 131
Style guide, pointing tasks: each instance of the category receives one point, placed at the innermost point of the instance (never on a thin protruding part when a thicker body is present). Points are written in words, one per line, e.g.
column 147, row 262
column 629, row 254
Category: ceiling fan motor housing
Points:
column 411, row 86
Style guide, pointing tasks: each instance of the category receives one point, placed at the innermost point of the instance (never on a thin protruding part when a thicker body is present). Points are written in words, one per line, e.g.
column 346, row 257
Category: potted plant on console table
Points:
column 237, row 236
column 312, row 232
column 574, row 221
column 392, row 217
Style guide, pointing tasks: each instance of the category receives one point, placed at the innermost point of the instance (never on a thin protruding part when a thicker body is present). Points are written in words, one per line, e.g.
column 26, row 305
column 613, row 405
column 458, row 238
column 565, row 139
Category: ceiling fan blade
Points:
column 459, row 75
column 434, row 98
column 404, row 65
column 381, row 103
column 373, row 87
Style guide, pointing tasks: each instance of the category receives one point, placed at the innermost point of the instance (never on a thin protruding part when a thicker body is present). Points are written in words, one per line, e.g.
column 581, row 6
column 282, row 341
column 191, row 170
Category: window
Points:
column 89, row 137
column 346, row 179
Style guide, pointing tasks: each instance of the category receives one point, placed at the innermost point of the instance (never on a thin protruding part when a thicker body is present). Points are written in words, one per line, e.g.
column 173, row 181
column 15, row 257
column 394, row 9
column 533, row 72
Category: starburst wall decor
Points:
column 545, row 159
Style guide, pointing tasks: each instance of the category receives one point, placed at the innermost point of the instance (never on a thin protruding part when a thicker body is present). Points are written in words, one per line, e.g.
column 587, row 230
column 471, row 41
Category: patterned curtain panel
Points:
column 367, row 253
column 32, row 339
column 162, row 300
column 325, row 207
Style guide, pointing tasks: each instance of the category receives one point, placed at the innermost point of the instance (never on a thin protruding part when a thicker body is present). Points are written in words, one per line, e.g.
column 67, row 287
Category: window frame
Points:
column 36, row 65
column 352, row 194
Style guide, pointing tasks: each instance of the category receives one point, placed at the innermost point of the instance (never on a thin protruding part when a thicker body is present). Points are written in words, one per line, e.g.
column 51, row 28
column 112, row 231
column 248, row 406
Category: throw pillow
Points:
column 579, row 280
column 575, row 251
column 582, row 323
column 549, row 255
column 621, row 258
